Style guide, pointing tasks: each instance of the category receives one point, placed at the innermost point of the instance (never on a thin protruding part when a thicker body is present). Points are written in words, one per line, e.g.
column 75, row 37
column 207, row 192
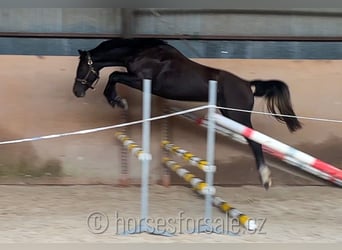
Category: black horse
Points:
column 176, row 77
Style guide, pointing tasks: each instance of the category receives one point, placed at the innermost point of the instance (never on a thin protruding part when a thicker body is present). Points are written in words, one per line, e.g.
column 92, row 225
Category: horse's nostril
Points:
column 79, row 93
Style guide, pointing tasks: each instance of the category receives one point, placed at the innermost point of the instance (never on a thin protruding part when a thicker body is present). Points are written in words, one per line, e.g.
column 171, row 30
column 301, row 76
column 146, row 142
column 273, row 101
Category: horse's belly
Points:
column 183, row 91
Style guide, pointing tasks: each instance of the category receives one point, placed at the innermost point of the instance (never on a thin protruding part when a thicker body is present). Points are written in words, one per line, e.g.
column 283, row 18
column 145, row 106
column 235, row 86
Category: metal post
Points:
column 145, row 159
column 211, row 168
column 210, row 146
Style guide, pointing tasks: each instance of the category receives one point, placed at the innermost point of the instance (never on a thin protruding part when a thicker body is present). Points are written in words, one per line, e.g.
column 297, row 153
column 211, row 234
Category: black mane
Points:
column 135, row 43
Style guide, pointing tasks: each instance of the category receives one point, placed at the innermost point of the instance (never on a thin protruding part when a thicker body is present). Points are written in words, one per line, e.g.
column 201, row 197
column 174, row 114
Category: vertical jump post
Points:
column 210, row 168
column 145, row 157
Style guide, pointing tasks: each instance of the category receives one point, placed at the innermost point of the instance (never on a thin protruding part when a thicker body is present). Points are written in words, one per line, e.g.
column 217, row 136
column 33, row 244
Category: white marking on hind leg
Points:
column 265, row 175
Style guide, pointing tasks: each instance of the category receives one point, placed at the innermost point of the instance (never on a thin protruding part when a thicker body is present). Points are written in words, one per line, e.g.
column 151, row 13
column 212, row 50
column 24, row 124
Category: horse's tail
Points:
column 277, row 95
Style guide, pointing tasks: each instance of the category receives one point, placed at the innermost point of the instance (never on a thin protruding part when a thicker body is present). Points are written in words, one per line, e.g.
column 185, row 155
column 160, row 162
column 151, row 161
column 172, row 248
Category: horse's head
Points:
column 87, row 75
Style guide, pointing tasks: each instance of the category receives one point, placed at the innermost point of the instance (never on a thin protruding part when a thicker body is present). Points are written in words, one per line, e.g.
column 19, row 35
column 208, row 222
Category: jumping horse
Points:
column 176, row 77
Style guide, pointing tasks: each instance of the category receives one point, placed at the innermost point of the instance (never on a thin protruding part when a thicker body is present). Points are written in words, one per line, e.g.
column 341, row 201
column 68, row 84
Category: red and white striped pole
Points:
column 311, row 164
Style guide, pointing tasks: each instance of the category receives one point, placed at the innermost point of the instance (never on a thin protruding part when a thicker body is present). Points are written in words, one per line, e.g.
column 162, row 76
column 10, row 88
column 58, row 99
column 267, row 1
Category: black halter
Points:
column 91, row 70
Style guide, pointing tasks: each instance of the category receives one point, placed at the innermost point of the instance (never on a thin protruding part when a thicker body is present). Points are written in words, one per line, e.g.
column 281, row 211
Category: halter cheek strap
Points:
column 91, row 70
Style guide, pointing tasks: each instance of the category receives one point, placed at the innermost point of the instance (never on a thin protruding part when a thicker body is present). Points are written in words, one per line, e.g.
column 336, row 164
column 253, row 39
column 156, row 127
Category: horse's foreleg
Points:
column 110, row 91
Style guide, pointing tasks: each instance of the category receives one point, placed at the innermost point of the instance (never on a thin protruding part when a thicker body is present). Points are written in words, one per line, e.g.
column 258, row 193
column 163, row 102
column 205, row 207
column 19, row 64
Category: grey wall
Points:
column 60, row 20
column 322, row 23
column 192, row 49
column 290, row 22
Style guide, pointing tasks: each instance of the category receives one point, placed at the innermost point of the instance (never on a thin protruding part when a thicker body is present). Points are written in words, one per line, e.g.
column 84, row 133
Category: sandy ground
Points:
column 60, row 214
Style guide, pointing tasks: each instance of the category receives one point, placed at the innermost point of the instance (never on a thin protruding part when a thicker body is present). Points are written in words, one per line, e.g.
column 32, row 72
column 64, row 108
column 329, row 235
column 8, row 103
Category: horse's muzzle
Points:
column 79, row 94
column 78, row 91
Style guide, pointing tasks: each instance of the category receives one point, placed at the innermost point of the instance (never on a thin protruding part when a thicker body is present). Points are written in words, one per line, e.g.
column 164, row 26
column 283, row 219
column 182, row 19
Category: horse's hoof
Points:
column 123, row 104
column 267, row 185
column 112, row 103
column 119, row 102
column 265, row 175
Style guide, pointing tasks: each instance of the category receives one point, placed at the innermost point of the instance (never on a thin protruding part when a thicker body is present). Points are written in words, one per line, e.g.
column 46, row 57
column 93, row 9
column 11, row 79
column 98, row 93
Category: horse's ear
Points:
column 80, row 51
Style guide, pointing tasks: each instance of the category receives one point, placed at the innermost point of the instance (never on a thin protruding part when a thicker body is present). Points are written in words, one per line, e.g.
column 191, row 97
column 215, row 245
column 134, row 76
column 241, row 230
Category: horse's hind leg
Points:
column 264, row 171
column 110, row 90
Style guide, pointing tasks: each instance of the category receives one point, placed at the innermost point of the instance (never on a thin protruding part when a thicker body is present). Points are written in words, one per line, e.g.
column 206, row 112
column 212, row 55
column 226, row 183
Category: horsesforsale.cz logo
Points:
column 97, row 222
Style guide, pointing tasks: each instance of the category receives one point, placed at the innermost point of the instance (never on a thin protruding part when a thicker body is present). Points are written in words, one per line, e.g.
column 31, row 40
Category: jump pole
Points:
column 225, row 131
column 199, row 185
column 203, row 122
column 305, row 161
column 144, row 157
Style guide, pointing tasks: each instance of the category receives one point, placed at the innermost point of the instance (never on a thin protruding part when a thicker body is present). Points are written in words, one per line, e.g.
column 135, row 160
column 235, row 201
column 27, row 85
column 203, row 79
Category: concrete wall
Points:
column 243, row 22
column 205, row 22
column 78, row 20
column 36, row 99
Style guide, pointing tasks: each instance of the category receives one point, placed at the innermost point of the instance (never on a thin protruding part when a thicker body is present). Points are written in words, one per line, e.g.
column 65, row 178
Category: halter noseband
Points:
column 84, row 81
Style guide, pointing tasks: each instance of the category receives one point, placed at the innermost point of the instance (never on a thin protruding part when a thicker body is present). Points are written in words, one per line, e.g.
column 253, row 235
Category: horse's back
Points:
column 177, row 77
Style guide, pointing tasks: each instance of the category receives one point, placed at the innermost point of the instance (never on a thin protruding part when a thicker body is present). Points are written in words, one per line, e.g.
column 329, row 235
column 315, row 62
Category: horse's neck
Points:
column 109, row 59
column 102, row 64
